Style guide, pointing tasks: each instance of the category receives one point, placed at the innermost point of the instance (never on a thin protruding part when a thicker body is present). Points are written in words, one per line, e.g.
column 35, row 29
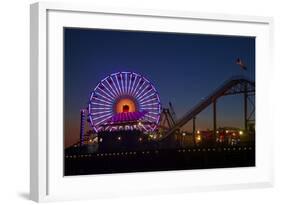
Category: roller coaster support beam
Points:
column 246, row 109
column 193, row 129
column 214, row 119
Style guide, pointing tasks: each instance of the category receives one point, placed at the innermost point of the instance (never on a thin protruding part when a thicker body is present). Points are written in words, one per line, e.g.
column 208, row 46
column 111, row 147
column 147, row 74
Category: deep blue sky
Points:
column 183, row 67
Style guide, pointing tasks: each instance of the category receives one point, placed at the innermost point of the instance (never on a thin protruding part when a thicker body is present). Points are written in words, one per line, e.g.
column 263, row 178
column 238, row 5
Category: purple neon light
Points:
column 146, row 93
column 119, row 87
column 104, row 94
column 110, row 92
column 126, row 117
column 115, row 90
column 130, row 81
column 115, row 87
column 142, row 89
column 122, row 84
column 134, row 90
column 148, row 96
column 101, row 112
column 126, row 81
column 149, row 100
column 134, row 81
column 100, row 104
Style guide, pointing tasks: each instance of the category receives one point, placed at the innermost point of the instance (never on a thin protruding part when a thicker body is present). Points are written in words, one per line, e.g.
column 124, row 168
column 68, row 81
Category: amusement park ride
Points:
column 124, row 101
column 125, row 110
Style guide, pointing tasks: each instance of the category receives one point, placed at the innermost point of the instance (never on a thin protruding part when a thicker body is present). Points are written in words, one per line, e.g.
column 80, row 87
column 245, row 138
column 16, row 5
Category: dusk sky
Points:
column 184, row 68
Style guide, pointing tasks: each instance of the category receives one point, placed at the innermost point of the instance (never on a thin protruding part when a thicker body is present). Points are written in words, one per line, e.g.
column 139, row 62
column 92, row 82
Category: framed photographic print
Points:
column 127, row 102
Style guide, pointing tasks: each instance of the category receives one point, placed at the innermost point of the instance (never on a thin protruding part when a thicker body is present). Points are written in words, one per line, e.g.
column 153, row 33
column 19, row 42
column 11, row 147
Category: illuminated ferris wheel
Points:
column 124, row 100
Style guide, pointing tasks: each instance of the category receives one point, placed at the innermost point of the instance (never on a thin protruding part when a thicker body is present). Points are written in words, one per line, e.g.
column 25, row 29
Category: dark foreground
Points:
column 159, row 160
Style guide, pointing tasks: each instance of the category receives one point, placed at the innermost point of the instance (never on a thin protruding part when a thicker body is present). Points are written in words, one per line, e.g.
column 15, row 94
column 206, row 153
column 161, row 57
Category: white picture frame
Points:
column 47, row 182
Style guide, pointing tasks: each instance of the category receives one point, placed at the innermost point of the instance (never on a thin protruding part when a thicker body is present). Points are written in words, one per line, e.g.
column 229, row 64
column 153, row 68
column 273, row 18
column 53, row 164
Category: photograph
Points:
column 144, row 101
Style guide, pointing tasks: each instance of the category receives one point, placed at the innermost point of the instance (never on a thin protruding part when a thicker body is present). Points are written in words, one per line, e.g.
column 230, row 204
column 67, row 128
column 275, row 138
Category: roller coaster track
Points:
column 233, row 86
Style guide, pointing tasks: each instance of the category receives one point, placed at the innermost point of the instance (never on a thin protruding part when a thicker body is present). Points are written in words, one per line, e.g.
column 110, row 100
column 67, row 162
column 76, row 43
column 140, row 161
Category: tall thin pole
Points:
column 246, row 109
column 193, row 129
column 214, row 119
column 82, row 125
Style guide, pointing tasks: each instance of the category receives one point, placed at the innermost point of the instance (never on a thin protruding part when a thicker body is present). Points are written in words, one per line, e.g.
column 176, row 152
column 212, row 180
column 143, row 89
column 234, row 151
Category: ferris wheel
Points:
column 127, row 99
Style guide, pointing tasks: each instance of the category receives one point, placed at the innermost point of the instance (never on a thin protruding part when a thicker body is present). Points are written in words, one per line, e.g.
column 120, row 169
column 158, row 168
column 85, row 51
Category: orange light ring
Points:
column 125, row 100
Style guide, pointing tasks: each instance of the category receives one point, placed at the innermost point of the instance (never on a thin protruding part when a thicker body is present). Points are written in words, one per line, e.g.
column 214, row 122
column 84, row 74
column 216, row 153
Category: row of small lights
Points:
column 154, row 136
column 227, row 131
column 214, row 149
column 156, row 152
column 112, row 154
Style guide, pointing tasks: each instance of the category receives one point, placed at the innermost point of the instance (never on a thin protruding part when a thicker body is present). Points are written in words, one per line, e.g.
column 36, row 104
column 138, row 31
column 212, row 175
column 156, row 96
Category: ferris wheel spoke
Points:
column 147, row 115
column 149, row 108
column 144, row 94
column 108, row 117
column 134, row 81
column 120, row 91
column 152, row 95
column 150, row 104
column 98, row 113
column 126, row 81
column 147, row 101
column 148, row 96
column 116, row 89
column 112, row 93
column 140, row 91
column 134, row 78
column 110, row 100
column 130, row 83
column 100, row 108
column 102, row 116
column 102, row 101
column 101, row 104
column 104, row 98
column 122, row 84
column 108, row 96
column 134, row 90
column 155, row 113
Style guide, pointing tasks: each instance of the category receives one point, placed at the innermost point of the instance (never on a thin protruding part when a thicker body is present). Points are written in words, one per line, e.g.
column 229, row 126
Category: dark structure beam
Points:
column 246, row 109
column 193, row 129
column 214, row 119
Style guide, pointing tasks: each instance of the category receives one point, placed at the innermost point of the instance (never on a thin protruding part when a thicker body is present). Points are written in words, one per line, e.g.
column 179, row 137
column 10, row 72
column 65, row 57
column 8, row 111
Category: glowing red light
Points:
column 126, row 108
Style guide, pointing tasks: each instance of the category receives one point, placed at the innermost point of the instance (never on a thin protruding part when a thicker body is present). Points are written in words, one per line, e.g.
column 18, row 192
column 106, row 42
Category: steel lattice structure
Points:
column 124, row 100
column 233, row 86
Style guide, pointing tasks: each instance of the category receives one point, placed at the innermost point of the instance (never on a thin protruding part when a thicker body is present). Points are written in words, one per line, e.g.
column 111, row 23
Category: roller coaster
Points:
column 233, row 86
